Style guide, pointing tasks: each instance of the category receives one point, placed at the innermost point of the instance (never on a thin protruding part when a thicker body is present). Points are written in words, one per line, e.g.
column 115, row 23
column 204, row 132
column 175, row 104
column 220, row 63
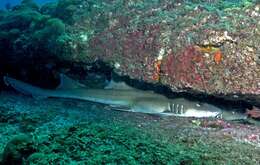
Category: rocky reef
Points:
column 197, row 47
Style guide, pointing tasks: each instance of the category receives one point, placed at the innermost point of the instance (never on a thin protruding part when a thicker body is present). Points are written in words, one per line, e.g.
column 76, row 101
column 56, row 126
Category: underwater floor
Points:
column 60, row 131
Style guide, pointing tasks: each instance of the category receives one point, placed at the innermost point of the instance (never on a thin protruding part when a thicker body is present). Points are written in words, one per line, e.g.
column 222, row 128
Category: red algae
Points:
column 186, row 68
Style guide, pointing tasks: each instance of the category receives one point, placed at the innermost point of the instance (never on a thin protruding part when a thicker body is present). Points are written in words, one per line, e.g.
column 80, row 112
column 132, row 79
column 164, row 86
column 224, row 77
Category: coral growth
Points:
column 212, row 51
column 186, row 69
column 18, row 149
column 157, row 66
column 137, row 51
column 218, row 57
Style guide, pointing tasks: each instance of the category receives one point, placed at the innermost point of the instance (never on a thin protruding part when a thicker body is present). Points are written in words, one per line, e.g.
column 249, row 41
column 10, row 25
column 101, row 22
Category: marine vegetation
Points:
column 17, row 150
column 92, row 143
column 106, row 141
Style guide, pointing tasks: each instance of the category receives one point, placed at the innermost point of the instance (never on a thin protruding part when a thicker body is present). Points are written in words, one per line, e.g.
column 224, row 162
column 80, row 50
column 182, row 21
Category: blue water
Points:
column 15, row 2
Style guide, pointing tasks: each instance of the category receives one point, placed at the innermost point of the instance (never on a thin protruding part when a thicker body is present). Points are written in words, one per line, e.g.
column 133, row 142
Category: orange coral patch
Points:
column 156, row 77
column 218, row 57
column 157, row 66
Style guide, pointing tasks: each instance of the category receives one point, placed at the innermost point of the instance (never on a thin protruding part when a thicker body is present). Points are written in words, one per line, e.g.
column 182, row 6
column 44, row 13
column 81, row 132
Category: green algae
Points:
column 17, row 149
column 101, row 143
column 110, row 137
column 47, row 30
column 117, row 142
column 53, row 28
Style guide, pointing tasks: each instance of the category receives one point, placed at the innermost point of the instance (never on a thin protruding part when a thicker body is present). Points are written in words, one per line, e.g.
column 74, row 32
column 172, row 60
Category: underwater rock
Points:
column 18, row 149
column 53, row 28
column 37, row 158
column 201, row 52
column 8, row 115
column 206, row 48
column 48, row 8
column 29, row 4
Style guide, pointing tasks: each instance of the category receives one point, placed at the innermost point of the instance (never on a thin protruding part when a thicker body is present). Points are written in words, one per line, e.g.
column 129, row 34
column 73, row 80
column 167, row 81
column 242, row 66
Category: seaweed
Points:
column 103, row 143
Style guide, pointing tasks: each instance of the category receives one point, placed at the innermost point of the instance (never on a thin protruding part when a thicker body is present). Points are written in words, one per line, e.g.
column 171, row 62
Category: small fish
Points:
column 120, row 96
column 253, row 113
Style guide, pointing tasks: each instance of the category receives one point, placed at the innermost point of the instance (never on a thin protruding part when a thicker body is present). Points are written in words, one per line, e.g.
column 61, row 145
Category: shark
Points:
column 119, row 96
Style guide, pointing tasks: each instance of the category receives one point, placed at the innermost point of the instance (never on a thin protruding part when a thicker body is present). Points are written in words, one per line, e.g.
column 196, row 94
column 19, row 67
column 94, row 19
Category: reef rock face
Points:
column 210, row 47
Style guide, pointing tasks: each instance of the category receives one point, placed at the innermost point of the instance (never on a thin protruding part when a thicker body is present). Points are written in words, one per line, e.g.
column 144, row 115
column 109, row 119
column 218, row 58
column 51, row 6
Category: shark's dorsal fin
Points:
column 118, row 85
column 68, row 83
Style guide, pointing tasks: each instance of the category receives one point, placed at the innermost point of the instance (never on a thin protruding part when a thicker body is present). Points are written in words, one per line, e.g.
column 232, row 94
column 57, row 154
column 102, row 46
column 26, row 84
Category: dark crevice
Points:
column 46, row 75
column 191, row 95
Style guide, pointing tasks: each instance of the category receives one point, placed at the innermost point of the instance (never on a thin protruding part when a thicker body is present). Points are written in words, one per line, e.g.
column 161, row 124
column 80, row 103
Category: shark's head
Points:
column 232, row 115
column 203, row 110
column 187, row 108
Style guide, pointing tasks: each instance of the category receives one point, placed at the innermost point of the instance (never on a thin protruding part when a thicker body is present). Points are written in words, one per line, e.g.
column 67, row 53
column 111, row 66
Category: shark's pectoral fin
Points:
column 68, row 83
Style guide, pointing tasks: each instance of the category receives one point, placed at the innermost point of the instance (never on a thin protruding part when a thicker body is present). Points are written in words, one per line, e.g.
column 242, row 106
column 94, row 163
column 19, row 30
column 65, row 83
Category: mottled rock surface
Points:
column 207, row 47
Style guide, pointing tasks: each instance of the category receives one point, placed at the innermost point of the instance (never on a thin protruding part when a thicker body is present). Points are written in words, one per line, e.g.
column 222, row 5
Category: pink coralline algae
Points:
column 186, row 69
column 136, row 51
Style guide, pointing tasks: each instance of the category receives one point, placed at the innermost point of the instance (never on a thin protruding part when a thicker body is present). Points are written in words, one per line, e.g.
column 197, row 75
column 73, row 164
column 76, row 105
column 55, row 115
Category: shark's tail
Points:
column 25, row 88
